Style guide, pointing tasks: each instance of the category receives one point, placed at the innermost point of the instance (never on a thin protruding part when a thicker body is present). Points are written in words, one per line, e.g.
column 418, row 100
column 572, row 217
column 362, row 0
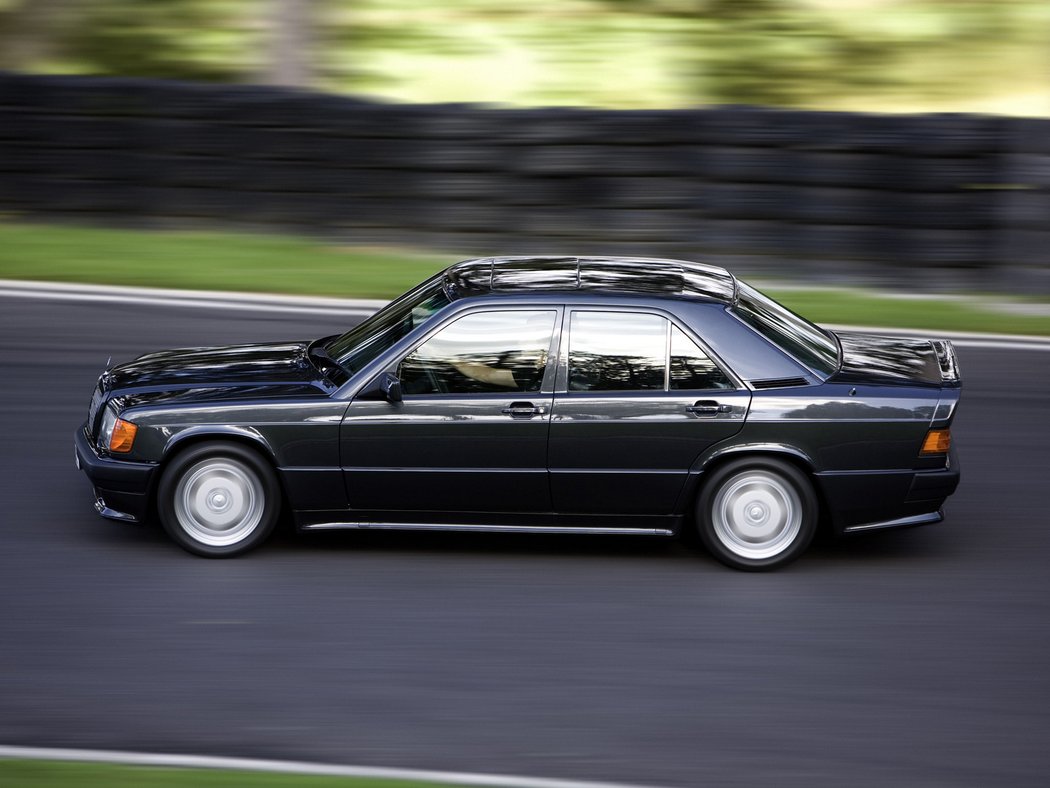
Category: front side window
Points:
column 484, row 352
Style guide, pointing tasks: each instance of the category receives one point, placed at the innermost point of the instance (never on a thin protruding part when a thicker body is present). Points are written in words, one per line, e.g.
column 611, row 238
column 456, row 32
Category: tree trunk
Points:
column 291, row 43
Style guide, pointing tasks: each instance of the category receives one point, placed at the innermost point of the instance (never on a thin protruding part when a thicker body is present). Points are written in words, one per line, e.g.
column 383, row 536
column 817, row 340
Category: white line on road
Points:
column 224, row 296
column 317, row 305
column 293, row 767
column 245, row 302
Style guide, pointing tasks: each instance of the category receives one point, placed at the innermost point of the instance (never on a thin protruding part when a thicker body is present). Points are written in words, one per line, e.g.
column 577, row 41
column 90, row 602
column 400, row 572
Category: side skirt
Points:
column 526, row 529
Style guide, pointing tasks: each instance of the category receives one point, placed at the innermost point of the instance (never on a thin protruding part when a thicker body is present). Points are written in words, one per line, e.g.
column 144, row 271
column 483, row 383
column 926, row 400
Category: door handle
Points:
column 708, row 407
column 524, row 409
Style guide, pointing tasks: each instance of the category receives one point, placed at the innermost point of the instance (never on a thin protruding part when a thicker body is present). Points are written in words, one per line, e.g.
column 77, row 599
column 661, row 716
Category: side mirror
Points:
column 391, row 388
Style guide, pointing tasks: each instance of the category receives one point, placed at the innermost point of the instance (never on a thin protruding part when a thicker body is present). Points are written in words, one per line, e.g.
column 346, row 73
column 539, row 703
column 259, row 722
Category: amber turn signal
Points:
column 937, row 442
column 123, row 436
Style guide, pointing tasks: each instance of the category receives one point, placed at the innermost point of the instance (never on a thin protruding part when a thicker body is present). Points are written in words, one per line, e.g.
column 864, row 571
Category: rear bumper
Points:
column 888, row 499
column 121, row 488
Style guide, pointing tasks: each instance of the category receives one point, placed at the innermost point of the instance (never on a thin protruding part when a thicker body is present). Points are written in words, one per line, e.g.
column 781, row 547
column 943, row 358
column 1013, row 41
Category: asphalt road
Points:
column 914, row 658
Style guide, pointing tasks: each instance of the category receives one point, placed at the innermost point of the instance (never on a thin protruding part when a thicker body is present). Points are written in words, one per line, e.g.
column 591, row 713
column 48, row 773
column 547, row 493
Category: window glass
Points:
column 788, row 331
column 361, row 344
column 482, row 353
column 691, row 367
column 617, row 351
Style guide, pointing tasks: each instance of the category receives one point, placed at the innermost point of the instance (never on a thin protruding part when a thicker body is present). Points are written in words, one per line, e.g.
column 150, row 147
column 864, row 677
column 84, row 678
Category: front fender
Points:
column 175, row 439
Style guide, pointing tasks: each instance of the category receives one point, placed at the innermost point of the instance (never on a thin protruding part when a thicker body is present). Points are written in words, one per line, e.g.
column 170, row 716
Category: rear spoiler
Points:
column 948, row 361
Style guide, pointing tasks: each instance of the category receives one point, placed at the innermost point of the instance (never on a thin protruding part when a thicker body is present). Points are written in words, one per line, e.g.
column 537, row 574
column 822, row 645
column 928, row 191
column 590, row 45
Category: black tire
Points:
column 218, row 499
column 757, row 514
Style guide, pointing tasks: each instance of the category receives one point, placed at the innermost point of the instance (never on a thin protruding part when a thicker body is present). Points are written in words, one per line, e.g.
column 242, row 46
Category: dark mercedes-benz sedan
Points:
column 540, row 394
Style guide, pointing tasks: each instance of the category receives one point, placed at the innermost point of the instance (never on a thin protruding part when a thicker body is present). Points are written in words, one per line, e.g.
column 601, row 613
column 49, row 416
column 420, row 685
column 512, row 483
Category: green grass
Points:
column 275, row 264
column 51, row 774
column 861, row 309
column 209, row 261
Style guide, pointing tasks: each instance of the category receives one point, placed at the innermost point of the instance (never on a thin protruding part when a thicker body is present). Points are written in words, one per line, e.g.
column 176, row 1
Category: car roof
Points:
column 640, row 275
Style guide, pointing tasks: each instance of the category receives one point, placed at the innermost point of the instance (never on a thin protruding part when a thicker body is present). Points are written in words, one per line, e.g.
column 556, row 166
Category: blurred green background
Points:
column 880, row 55
column 977, row 56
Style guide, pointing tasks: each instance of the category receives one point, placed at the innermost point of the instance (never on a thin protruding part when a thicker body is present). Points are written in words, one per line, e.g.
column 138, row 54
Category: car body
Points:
column 553, row 394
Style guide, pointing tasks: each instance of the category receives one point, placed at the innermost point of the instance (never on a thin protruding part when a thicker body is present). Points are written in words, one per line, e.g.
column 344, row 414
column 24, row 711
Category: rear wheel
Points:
column 757, row 514
column 218, row 499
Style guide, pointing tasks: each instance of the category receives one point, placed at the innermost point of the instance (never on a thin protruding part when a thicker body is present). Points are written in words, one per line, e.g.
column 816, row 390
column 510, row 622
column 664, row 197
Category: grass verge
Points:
column 208, row 261
column 52, row 774
column 276, row 264
column 855, row 307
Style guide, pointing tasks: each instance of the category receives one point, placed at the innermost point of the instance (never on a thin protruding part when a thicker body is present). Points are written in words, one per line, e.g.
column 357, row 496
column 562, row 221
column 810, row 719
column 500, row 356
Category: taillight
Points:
column 937, row 442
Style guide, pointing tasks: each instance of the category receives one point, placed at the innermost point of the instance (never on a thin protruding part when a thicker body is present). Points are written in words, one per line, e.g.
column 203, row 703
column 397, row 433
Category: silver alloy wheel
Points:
column 219, row 501
column 757, row 514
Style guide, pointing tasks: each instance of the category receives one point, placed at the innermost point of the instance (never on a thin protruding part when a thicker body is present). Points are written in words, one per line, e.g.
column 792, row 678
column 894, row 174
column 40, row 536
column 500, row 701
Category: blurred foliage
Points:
column 973, row 55
column 186, row 39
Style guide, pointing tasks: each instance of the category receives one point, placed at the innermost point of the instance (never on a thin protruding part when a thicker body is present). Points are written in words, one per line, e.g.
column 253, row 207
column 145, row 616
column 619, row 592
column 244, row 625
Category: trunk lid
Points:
column 875, row 358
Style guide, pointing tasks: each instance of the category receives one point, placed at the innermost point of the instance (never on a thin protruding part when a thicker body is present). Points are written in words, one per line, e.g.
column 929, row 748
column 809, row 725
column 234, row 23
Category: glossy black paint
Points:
column 630, row 453
column 123, row 485
column 348, row 451
column 867, row 357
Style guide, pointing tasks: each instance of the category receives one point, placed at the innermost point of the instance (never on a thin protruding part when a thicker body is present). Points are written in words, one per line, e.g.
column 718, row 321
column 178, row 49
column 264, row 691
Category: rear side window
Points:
column 633, row 351
column 616, row 351
column 691, row 368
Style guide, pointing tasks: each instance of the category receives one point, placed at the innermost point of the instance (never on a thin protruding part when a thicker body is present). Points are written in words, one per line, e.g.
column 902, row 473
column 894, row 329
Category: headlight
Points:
column 116, row 435
column 109, row 421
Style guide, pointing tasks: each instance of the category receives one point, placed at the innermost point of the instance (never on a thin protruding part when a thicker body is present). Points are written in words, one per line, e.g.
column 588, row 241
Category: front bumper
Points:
column 121, row 488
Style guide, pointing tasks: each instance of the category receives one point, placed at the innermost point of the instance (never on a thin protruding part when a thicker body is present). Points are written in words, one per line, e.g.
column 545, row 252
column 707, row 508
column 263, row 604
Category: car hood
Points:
column 218, row 373
column 890, row 359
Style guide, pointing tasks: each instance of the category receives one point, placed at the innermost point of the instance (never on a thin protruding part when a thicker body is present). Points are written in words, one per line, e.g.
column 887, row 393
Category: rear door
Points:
column 638, row 398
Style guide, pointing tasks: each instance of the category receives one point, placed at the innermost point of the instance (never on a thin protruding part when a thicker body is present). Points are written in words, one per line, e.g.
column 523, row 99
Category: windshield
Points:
column 361, row 344
column 793, row 334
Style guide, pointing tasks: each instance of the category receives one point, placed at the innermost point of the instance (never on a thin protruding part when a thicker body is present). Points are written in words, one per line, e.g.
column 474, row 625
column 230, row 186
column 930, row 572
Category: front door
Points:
column 468, row 443
column 638, row 401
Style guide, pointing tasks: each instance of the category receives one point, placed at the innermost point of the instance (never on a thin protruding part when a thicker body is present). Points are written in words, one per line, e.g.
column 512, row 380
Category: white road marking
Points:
column 236, row 301
column 317, row 305
column 224, row 296
column 294, row 767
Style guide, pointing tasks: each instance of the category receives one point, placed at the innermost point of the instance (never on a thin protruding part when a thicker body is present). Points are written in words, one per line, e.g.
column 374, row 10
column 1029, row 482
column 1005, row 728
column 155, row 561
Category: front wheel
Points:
column 218, row 499
column 757, row 514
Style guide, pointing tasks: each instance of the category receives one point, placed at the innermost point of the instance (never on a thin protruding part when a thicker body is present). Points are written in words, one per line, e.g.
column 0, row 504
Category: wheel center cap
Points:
column 219, row 501
column 756, row 512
